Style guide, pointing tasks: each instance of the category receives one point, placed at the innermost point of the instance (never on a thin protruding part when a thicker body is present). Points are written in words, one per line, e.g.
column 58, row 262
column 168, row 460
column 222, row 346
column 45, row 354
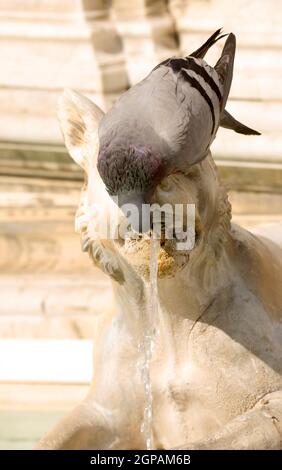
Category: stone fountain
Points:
column 192, row 356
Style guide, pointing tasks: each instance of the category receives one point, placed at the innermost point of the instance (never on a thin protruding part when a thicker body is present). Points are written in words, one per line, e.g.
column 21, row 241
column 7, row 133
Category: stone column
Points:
column 148, row 33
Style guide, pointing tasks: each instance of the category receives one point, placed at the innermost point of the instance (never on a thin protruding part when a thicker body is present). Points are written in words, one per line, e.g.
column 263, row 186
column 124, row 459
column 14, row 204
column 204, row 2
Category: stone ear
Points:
column 79, row 119
column 224, row 66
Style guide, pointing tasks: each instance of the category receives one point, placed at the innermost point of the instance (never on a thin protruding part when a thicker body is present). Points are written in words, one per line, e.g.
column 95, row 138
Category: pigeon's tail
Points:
column 229, row 122
column 201, row 52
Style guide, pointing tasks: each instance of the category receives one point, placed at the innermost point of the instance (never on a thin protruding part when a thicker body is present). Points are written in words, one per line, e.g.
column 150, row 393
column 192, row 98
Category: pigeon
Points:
column 165, row 124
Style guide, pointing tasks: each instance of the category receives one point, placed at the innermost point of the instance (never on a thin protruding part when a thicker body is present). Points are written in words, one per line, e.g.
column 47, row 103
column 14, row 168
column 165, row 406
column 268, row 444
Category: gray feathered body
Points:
column 166, row 123
column 165, row 116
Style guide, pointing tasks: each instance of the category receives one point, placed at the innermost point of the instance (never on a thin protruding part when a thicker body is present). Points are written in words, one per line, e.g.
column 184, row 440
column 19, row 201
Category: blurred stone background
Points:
column 48, row 288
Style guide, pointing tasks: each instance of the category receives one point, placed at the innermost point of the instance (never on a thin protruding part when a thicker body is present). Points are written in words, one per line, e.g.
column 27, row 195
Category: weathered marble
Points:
column 216, row 373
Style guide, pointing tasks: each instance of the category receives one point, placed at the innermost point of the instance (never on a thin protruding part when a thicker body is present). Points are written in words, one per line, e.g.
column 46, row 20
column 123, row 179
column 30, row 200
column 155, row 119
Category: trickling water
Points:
column 150, row 331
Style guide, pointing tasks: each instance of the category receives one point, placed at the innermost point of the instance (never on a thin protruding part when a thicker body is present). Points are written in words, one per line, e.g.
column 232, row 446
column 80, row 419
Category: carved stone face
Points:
column 174, row 189
column 199, row 187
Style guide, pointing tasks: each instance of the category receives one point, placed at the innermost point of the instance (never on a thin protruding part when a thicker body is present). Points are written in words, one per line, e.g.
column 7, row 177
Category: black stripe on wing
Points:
column 190, row 64
column 195, row 84
column 182, row 66
column 200, row 70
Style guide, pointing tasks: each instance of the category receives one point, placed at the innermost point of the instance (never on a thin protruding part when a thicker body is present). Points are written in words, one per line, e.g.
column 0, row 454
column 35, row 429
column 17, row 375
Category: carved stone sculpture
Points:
column 216, row 366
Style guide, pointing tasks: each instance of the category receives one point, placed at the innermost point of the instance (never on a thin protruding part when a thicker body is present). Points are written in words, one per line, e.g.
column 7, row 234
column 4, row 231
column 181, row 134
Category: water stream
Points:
column 151, row 321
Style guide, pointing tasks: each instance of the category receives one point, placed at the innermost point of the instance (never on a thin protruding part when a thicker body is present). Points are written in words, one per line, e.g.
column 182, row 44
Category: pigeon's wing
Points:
column 186, row 107
column 197, row 92
column 213, row 84
column 224, row 66
column 176, row 109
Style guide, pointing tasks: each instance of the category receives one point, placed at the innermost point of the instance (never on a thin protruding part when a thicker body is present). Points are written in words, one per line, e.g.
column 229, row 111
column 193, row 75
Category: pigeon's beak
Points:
column 136, row 210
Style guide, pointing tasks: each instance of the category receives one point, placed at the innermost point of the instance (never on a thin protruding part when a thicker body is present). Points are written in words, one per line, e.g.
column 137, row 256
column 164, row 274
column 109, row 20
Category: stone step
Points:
column 264, row 148
column 37, row 325
column 254, row 22
column 51, row 295
column 65, row 361
column 21, row 429
column 31, row 7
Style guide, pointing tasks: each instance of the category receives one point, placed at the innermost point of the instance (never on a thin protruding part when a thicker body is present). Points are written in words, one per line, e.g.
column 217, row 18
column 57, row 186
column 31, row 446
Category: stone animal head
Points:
column 153, row 146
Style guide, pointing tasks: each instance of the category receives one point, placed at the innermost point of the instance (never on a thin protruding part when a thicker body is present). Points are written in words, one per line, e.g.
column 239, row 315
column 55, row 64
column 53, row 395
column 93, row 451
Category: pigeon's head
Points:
column 131, row 173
